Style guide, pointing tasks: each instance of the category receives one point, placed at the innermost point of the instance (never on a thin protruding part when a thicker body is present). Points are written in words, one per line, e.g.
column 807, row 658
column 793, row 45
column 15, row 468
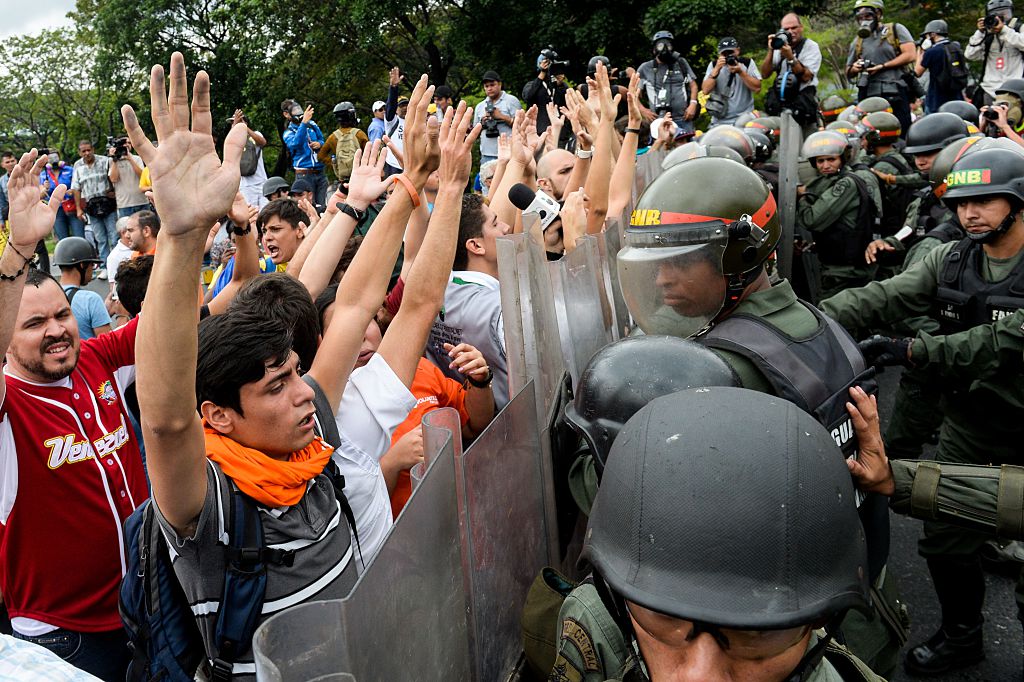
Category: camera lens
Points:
column 991, row 115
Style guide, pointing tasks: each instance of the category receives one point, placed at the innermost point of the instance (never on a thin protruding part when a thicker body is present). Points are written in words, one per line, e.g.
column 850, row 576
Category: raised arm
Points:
column 620, row 192
column 247, row 254
column 191, row 189
column 365, row 282
column 31, row 221
column 600, row 175
column 403, row 343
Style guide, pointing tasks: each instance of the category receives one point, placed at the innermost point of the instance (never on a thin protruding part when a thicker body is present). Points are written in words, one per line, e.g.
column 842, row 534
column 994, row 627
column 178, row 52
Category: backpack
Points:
column 250, row 157
column 345, row 148
column 895, row 198
column 954, row 75
column 163, row 636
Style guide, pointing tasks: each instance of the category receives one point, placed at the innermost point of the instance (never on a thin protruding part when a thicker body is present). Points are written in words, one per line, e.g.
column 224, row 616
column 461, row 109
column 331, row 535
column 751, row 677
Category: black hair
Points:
column 324, row 301
column 471, row 226
column 36, row 277
column 282, row 298
column 7, row 154
column 643, row 137
column 132, row 281
column 287, row 104
column 148, row 219
column 286, row 208
column 234, row 350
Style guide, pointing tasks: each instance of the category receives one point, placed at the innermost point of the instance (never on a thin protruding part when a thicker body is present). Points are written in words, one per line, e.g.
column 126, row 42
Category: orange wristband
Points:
column 407, row 183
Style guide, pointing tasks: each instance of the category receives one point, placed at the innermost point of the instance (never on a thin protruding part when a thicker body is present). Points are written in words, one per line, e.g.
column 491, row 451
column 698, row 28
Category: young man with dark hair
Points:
column 143, row 227
column 283, row 226
column 281, row 297
column 256, row 429
column 72, row 473
column 132, row 282
column 472, row 301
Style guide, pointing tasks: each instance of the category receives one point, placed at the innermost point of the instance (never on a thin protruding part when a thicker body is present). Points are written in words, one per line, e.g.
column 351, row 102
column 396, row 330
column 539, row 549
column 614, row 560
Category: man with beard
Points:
column 69, row 462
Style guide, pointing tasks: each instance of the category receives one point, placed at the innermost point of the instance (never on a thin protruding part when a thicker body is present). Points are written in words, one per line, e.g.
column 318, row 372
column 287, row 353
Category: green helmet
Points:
column 878, row 5
column 698, row 236
column 880, row 128
column 696, row 150
column 826, row 143
column 934, row 132
column 769, row 125
column 942, row 163
column 987, row 172
column 964, row 110
column 831, row 107
column 870, row 105
column 731, row 137
column 75, row 251
column 846, row 129
column 670, row 531
column 747, row 117
column 624, row 376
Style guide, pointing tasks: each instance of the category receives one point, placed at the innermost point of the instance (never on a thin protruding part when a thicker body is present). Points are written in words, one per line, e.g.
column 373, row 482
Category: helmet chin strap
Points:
column 810, row 661
column 1001, row 229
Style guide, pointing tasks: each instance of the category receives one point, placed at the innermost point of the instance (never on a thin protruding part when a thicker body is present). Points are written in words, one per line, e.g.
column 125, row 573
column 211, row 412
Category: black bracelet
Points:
column 239, row 232
column 481, row 384
column 24, row 266
column 633, row 130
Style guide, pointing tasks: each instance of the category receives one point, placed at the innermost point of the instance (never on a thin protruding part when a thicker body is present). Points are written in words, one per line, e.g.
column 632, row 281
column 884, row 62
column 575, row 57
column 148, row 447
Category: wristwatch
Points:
column 481, row 384
column 348, row 210
column 584, row 153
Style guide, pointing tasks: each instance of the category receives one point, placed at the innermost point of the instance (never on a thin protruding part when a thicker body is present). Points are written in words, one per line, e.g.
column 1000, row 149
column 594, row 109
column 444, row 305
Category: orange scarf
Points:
column 271, row 482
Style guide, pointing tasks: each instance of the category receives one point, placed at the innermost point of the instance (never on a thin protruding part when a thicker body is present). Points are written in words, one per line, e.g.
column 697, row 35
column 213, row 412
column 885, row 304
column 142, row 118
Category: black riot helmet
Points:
column 964, row 110
column 751, row 527
column 345, row 113
column 934, row 132
column 731, row 137
column 594, row 61
column 988, row 172
column 661, row 46
column 624, row 376
column 75, row 251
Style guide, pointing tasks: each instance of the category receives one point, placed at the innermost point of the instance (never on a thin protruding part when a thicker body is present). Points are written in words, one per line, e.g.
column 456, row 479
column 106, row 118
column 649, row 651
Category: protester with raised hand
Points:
column 600, row 174
column 621, row 189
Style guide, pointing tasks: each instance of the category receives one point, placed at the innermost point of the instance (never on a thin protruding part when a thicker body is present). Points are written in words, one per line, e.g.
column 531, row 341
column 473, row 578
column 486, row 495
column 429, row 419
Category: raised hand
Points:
column 633, row 101
column 504, row 147
column 607, row 106
column 456, row 141
column 191, row 187
column 239, row 213
column 31, row 220
column 394, row 76
column 422, row 154
column 365, row 184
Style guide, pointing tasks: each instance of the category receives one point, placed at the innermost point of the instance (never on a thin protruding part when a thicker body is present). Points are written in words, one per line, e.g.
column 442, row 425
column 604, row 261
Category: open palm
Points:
column 191, row 187
column 31, row 219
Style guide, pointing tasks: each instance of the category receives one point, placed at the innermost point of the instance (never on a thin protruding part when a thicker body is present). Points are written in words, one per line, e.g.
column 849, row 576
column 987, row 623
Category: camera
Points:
column 864, row 76
column 731, row 60
column 991, row 20
column 780, row 40
column 556, row 67
column 490, row 124
column 119, row 145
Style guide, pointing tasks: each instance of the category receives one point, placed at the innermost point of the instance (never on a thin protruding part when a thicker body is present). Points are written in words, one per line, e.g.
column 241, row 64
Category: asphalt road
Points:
column 1003, row 634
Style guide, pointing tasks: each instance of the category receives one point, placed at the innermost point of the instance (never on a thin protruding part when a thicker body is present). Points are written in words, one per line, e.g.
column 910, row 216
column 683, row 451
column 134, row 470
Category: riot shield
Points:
column 581, row 306
column 609, row 247
column 405, row 618
column 648, row 167
column 790, row 139
column 438, row 426
column 501, row 499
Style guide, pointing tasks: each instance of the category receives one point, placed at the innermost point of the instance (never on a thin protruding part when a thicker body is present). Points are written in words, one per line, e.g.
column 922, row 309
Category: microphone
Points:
column 528, row 201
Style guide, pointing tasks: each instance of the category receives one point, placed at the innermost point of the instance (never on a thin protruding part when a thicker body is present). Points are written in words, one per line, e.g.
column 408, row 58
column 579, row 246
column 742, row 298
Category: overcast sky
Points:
column 29, row 17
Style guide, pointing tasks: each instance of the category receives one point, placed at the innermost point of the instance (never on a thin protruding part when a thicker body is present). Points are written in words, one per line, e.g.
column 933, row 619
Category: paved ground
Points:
column 1003, row 634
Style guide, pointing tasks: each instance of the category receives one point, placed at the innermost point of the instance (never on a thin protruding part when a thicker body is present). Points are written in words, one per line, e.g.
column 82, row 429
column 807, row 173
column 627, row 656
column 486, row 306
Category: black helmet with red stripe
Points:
column 700, row 234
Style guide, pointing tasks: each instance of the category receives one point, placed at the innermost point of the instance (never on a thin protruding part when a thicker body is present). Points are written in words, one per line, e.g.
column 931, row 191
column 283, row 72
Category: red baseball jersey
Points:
column 70, row 474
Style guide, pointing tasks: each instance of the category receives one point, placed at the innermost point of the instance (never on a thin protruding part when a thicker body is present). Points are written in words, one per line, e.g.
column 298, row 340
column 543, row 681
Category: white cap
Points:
column 377, row 106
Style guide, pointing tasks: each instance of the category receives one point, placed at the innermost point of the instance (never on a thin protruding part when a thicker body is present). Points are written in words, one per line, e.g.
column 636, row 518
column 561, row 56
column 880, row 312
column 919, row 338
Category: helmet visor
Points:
column 674, row 290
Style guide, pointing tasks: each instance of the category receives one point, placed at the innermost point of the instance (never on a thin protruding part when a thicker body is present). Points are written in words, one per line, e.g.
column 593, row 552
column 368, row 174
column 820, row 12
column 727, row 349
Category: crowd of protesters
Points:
column 282, row 341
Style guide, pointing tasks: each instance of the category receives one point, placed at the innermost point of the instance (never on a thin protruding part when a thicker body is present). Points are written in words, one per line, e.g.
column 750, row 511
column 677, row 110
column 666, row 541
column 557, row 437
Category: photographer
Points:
column 670, row 84
column 734, row 80
column 997, row 44
column 790, row 53
column 304, row 139
column 495, row 114
column 878, row 60
column 94, row 196
column 1005, row 117
column 944, row 62
column 548, row 86
column 125, row 171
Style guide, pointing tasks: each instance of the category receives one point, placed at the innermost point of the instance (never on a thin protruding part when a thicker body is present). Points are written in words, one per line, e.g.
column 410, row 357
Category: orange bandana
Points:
column 271, row 482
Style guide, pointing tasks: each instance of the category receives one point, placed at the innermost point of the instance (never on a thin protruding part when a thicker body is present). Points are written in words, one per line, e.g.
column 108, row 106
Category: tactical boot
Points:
column 951, row 647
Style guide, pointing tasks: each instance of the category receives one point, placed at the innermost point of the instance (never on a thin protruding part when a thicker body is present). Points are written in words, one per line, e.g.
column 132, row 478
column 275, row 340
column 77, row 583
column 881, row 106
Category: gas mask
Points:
column 54, row 159
column 866, row 24
column 1014, row 110
column 663, row 51
column 296, row 112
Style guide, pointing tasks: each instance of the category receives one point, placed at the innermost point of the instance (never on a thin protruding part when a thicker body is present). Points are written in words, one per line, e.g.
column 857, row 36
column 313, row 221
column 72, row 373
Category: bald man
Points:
column 798, row 55
column 553, row 171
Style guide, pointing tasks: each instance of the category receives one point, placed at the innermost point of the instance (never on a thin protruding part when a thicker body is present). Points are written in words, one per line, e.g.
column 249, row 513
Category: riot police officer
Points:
column 879, row 132
column 840, row 208
column 972, row 282
column 694, row 265
column 697, row 602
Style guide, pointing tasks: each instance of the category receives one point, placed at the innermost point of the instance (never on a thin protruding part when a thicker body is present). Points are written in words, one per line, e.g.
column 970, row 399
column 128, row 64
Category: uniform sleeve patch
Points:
column 580, row 638
column 564, row 671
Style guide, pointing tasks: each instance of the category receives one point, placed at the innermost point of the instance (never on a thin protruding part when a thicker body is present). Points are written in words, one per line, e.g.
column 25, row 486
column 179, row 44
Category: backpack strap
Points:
column 898, row 161
column 954, row 263
column 337, row 479
column 245, row 583
column 890, row 36
column 70, row 293
column 866, row 209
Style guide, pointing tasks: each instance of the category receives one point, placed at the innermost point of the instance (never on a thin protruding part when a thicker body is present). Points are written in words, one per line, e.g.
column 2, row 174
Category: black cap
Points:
column 443, row 91
column 300, row 185
column 728, row 43
column 491, row 75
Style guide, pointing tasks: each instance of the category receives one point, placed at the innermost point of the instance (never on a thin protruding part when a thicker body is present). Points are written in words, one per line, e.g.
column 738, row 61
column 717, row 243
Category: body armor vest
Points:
column 965, row 300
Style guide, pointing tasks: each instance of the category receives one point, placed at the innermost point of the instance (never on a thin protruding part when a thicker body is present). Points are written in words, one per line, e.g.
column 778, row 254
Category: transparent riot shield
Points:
column 583, row 311
column 648, row 167
column 790, row 139
column 438, row 426
column 406, row 617
column 501, row 500
column 609, row 248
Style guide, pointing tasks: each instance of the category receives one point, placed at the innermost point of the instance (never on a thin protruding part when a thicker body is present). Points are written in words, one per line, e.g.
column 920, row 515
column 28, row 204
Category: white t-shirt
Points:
column 396, row 134
column 126, row 189
column 119, row 254
column 375, row 402
column 810, row 57
column 251, row 186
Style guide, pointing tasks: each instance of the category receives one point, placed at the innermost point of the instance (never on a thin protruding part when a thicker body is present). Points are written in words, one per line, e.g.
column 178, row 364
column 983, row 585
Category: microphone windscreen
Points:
column 521, row 196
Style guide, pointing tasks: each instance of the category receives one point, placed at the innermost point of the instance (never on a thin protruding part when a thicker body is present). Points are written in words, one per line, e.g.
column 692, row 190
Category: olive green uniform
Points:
column 982, row 403
column 831, row 203
column 870, row 638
